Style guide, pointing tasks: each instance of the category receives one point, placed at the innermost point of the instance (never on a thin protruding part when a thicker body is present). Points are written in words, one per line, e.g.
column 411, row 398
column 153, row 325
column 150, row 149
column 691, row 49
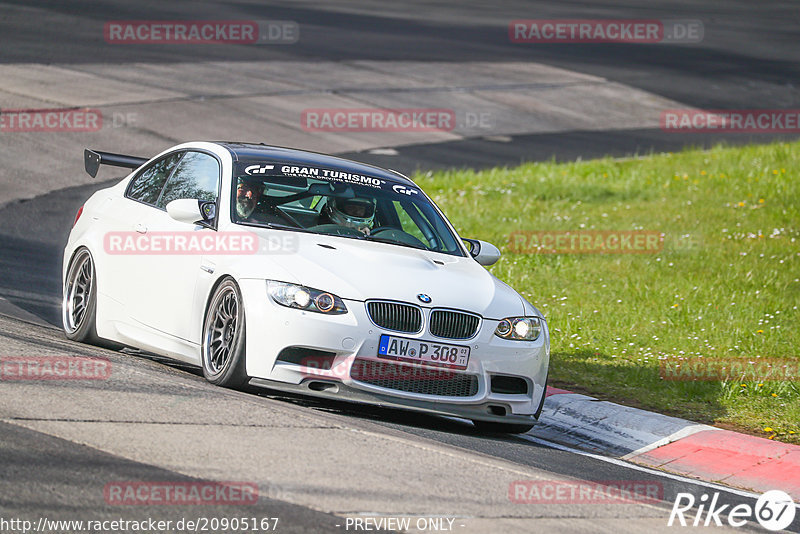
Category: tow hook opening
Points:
column 318, row 385
column 497, row 410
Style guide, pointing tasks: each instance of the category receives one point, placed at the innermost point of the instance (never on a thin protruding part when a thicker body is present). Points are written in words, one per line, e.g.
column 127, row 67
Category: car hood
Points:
column 360, row 270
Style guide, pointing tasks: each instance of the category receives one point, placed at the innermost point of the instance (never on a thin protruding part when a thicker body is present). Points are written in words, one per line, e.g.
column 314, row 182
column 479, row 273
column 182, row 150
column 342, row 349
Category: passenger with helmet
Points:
column 356, row 212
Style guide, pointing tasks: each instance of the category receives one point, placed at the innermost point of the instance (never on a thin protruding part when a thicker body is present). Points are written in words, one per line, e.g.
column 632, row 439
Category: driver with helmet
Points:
column 357, row 212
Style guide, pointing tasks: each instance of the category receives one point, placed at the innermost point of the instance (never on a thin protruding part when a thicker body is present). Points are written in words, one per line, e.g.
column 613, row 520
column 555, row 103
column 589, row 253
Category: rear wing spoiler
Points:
column 92, row 159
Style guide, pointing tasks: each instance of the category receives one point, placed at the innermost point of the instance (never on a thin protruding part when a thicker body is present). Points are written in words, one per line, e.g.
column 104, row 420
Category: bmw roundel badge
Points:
column 424, row 298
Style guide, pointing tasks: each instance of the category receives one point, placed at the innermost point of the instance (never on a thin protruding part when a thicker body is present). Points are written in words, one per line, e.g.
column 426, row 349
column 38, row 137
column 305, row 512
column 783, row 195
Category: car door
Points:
column 163, row 286
column 122, row 218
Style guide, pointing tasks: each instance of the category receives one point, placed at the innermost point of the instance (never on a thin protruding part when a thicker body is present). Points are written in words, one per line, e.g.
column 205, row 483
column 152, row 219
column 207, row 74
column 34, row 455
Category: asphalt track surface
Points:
column 748, row 57
column 67, row 440
column 61, row 443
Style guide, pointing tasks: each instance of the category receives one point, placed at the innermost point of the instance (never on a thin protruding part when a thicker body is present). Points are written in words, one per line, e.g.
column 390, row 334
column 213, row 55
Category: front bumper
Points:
column 487, row 411
column 353, row 337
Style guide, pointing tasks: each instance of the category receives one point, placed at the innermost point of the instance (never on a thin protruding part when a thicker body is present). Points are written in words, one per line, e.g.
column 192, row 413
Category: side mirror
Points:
column 484, row 253
column 191, row 211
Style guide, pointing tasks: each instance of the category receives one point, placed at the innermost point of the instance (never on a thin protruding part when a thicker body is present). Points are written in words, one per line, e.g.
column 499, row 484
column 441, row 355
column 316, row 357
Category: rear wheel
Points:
column 79, row 304
column 223, row 350
column 502, row 428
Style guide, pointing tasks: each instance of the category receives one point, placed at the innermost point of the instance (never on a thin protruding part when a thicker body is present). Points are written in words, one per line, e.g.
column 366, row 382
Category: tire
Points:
column 544, row 395
column 502, row 428
column 79, row 302
column 223, row 348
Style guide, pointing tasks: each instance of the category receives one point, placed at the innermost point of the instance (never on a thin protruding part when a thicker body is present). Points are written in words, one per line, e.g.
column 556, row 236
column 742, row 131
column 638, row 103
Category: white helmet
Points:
column 356, row 212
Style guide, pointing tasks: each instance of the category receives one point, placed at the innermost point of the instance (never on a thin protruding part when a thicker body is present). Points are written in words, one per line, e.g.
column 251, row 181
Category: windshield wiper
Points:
column 278, row 226
column 360, row 236
column 393, row 242
column 275, row 226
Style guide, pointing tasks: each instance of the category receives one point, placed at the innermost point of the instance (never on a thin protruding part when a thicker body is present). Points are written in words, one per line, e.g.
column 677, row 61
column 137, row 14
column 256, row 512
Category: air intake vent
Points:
column 395, row 316
column 318, row 359
column 453, row 325
column 414, row 379
column 510, row 385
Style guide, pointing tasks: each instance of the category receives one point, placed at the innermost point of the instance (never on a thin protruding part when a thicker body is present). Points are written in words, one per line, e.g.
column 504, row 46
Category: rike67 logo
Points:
column 774, row 510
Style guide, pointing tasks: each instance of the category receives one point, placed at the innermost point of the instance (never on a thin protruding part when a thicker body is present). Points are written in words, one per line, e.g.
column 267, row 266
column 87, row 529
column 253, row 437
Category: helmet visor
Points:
column 358, row 208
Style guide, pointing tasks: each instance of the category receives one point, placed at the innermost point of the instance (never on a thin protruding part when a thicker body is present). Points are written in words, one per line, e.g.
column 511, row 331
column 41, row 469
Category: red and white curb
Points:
column 669, row 443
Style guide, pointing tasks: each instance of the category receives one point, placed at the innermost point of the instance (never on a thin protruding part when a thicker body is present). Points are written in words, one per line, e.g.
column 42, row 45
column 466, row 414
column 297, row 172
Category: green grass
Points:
column 725, row 285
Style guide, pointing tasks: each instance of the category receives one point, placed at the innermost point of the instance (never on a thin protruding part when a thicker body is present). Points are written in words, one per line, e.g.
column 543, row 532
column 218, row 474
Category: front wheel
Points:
column 223, row 349
column 502, row 428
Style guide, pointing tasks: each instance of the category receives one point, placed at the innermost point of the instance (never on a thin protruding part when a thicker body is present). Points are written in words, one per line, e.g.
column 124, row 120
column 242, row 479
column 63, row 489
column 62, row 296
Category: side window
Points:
column 197, row 176
column 146, row 187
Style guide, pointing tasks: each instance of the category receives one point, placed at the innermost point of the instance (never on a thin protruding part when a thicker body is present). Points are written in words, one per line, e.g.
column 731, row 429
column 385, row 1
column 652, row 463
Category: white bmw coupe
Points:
column 302, row 272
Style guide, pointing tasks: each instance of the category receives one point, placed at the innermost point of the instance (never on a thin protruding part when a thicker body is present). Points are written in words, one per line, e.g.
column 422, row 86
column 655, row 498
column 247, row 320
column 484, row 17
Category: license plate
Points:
column 418, row 351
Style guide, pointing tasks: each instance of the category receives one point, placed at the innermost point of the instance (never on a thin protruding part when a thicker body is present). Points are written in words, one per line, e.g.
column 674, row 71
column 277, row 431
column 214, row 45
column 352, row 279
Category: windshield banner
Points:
column 277, row 170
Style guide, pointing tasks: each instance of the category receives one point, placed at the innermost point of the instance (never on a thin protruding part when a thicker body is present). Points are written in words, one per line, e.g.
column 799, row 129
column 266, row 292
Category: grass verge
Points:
column 724, row 284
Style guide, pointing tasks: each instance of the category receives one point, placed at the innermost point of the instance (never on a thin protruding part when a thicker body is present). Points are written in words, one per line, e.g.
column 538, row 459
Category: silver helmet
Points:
column 356, row 212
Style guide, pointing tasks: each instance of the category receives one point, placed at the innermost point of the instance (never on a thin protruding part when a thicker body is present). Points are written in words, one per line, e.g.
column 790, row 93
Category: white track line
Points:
column 635, row 467
column 675, row 436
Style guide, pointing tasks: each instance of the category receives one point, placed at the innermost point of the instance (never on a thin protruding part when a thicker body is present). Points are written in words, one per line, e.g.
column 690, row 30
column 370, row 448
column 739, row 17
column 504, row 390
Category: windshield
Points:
column 338, row 203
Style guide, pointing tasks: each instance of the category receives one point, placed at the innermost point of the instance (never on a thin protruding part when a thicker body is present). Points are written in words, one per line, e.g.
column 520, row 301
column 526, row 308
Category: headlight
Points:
column 519, row 328
column 305, row 298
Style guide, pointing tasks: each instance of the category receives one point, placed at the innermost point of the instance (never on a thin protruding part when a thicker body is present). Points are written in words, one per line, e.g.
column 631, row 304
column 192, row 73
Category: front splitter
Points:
column 335, row 390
